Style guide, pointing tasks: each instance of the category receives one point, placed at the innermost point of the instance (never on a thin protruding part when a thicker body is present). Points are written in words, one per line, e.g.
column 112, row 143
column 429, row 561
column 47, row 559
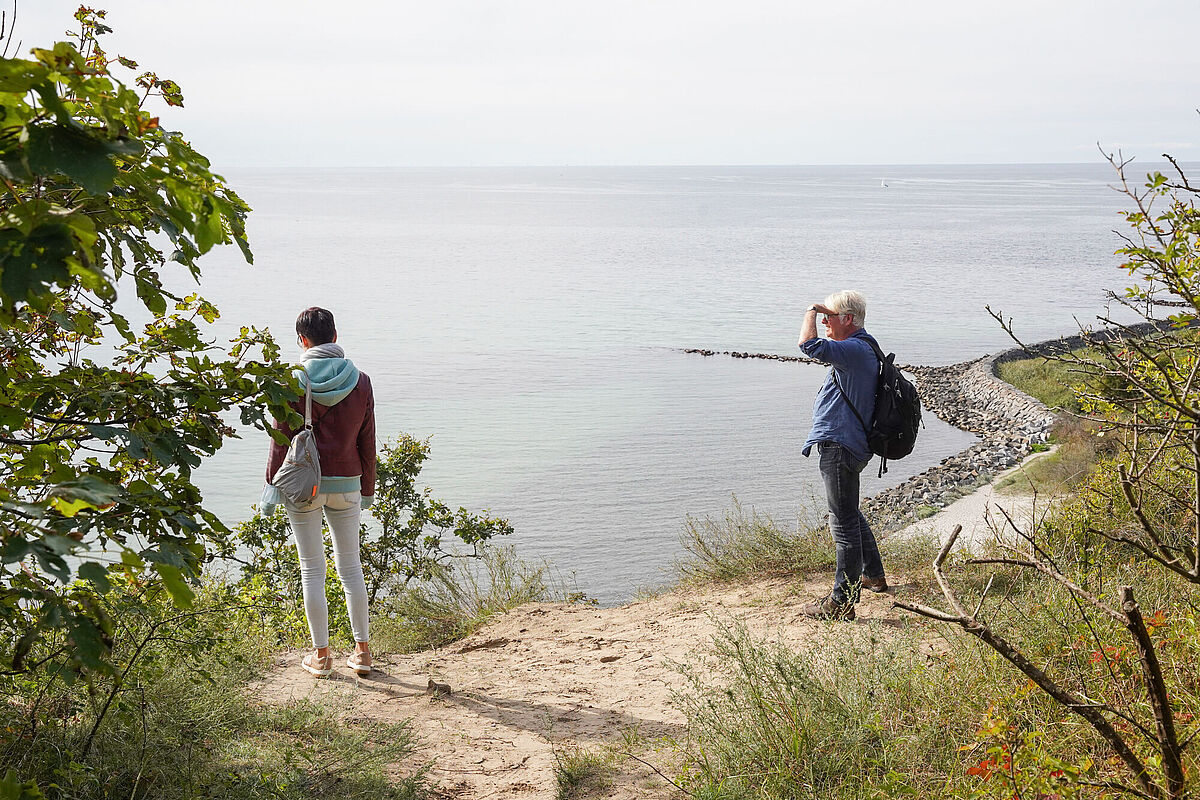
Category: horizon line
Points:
column 705, row 166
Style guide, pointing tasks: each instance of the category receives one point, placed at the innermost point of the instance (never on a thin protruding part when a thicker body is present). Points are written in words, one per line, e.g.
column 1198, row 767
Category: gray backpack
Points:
column 299, row 478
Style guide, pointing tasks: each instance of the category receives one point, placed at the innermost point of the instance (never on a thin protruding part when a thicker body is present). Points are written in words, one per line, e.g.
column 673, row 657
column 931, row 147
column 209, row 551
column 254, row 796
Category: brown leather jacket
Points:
column 345, row 436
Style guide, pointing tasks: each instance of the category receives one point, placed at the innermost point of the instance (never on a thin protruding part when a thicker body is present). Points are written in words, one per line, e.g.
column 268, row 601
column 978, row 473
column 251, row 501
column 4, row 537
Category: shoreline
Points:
column 970, row 396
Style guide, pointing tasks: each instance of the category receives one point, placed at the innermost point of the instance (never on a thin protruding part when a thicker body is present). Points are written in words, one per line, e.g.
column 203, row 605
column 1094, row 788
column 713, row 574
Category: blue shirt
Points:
column 857, row 369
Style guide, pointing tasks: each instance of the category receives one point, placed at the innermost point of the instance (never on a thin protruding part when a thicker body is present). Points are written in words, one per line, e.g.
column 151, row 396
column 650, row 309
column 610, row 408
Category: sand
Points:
column 545, row 679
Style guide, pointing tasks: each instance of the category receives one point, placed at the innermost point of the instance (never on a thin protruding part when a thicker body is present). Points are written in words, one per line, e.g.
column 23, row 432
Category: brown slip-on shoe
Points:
column 315, row 665
column 360, row 663
column 876, row 585
column 828, row 608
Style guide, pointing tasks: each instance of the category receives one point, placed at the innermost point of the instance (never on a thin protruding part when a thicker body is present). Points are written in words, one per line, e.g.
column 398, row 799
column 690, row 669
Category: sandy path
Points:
column 982, row 510
column 547, row 678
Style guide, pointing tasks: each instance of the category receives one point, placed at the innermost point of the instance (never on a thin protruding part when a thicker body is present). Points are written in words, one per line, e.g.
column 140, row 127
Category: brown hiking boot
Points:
column 876, row 585
column 828, row 608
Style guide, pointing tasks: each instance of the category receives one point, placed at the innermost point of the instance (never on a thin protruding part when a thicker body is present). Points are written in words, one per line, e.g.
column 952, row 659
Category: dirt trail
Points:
column 549, row 677
column 546, row 678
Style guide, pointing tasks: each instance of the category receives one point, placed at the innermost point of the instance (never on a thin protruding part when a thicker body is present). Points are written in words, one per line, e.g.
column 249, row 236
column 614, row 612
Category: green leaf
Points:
column 244, row 246
column 18, row 76
column 176, row 585
column 97, row 574
column 30, row 263
column 52, row 562
column 14, row 170
column 88, row 639
column 60, row 545
column 55, row 149
column 13, row 788
column 91, row 488
column 69, row 508
column 107, row 432
column 15, row 550
column 150, row 292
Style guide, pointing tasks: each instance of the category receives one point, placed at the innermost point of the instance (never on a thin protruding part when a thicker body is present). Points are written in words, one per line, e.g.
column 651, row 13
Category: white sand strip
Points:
column 982, row 511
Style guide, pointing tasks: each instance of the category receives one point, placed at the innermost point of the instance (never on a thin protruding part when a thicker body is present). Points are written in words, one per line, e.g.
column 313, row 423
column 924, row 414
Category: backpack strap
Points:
column 882, row 459
column 875, row 347
column 846, row 397
column 308, row 420
column 879, row 355
column 866, row 429
column 308, row 407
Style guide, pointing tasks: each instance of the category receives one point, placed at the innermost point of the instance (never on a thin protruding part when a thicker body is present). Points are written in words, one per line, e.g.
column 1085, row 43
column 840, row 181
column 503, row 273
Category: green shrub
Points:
column 833, row 721
column 176, row 719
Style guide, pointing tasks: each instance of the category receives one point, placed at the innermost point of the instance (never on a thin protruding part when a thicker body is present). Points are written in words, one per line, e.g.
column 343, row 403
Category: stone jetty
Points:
column 971, row 397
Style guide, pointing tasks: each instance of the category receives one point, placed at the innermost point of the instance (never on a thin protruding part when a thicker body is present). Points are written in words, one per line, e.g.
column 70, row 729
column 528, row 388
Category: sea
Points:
column 531, row 323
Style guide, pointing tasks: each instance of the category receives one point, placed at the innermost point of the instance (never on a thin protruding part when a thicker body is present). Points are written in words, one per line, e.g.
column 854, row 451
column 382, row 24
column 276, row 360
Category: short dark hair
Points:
column 316, row 325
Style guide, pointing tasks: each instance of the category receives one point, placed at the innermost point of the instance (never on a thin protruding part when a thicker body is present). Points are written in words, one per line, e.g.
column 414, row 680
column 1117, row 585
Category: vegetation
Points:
column 122, row 663
column 857, row 716
column 178, row 725
column 742, row 545
column 580, row 772
column 456, row 601
column 408, row 547
column 1078, row 446
column 1050, row 381
column 1078, row 677
column 123, row 666
column 101, row 425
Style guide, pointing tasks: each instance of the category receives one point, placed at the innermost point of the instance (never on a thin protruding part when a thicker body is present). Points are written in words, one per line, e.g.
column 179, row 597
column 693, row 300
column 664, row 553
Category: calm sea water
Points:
column 530, row 322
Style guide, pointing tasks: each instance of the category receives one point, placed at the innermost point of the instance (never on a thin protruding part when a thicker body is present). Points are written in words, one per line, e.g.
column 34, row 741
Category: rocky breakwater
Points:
column 1009, row 422
column 971, row 397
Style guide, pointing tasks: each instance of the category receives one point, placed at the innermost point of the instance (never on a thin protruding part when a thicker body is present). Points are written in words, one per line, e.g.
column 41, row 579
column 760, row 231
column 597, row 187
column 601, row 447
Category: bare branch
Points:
column 1080, row 706
column 1164, row 719
column 1045, row 569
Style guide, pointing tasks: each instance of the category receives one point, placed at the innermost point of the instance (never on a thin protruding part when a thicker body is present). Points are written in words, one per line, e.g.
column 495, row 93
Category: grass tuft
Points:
column 742, row 545
column 459, row 600
column 581, row 772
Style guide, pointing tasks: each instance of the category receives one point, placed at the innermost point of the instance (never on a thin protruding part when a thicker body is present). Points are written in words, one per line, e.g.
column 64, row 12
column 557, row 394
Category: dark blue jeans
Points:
column 857, row 553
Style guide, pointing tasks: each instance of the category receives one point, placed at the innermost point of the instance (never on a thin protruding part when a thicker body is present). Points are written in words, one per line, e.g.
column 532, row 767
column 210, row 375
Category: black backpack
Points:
column 893, row 430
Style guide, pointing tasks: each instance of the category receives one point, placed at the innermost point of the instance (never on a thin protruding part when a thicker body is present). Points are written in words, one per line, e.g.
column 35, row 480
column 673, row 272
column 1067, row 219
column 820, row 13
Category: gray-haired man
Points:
column 842, row 444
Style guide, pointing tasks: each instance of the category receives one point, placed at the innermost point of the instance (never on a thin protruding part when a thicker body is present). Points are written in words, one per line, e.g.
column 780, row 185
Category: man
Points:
column 344, row 424
column 842, row 444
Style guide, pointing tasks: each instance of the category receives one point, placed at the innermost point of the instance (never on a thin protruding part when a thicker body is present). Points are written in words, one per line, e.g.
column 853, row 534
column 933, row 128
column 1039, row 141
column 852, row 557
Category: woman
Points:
column 344, row 426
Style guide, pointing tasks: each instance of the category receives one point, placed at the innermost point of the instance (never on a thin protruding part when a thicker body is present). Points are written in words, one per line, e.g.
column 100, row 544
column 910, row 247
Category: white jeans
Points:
column 343, row 512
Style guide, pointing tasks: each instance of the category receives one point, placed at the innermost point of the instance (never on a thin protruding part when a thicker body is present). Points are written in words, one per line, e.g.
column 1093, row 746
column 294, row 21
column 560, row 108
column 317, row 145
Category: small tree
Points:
column 1142, row 384
column 97, row 452
column 409, row 543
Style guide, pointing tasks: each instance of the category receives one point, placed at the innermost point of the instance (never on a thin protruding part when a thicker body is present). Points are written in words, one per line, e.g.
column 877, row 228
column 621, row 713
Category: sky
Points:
column 370, row 83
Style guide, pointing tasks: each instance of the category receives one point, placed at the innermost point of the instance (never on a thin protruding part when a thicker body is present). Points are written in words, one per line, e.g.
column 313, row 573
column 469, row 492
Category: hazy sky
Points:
column 394, row 82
